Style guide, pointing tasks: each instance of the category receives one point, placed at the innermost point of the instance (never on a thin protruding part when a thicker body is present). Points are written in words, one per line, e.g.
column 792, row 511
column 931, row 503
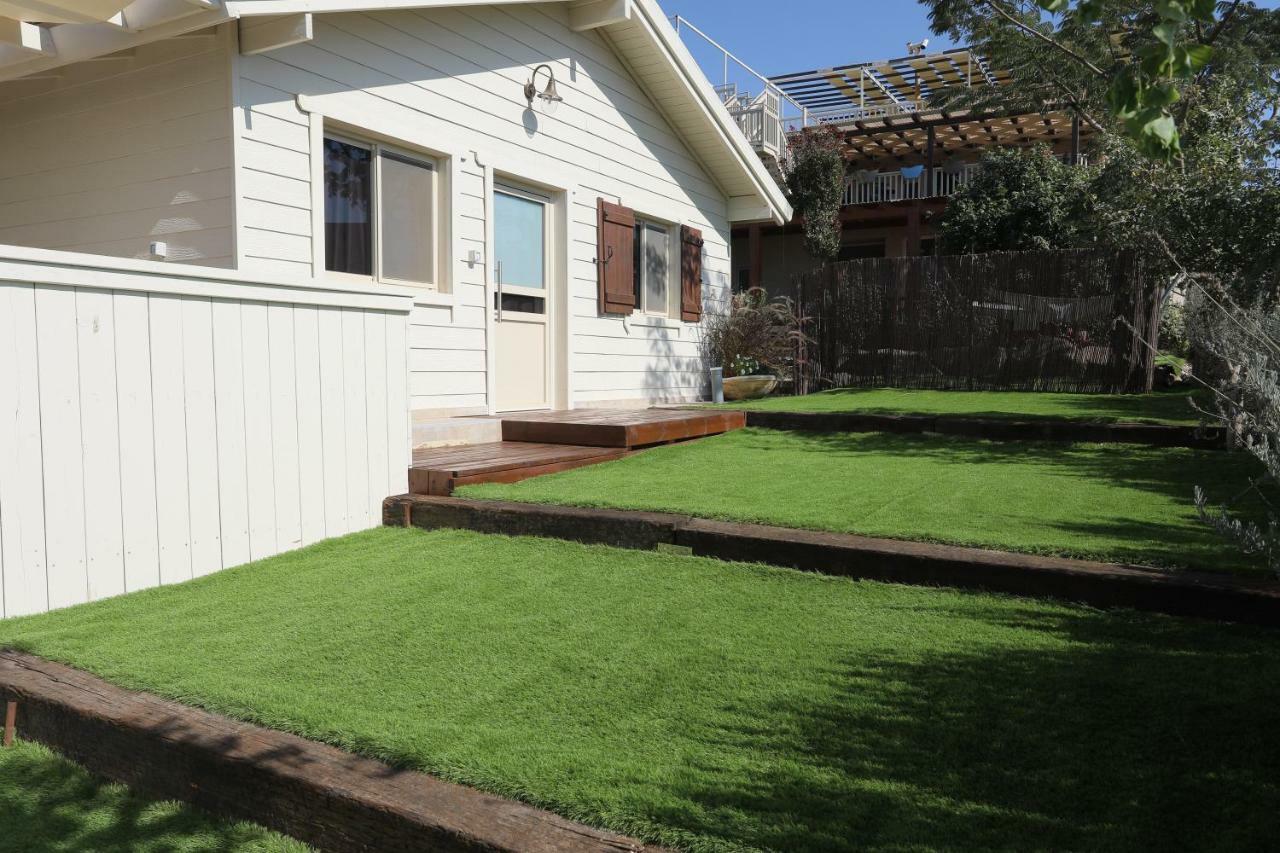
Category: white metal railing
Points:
column 882, row 187
column 764, row 112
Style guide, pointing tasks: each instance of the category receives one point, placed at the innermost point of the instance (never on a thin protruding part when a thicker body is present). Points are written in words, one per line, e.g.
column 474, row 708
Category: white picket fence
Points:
column 158, row 423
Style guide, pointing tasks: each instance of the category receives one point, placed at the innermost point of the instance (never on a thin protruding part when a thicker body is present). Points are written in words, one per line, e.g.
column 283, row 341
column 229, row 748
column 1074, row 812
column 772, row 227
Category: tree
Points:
column 1018, row 200
column 815, row 184
column 1121, row 63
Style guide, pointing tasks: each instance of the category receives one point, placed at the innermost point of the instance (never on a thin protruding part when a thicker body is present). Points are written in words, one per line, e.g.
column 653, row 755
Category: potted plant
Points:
column 754, row 343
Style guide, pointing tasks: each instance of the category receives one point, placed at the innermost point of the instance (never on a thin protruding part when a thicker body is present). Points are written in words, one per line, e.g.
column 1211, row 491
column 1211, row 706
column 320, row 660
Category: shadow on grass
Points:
column 1158, row 407
column 1173, row 472
column 1132, row 736
column 50, row 804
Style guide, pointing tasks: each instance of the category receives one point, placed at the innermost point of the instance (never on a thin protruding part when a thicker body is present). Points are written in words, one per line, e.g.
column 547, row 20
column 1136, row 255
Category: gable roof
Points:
column 637, row 30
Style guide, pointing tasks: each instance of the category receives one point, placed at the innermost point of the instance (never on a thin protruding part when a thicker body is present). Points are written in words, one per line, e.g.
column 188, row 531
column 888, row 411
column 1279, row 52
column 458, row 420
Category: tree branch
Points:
column 1222, row 24
column 1034, row 33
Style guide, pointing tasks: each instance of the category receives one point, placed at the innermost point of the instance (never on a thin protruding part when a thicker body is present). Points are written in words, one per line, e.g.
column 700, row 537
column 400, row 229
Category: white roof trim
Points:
column 699, row 88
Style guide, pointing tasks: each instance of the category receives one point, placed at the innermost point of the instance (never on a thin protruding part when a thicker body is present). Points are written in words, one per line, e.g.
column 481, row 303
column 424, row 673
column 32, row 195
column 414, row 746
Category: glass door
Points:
column 522, row 363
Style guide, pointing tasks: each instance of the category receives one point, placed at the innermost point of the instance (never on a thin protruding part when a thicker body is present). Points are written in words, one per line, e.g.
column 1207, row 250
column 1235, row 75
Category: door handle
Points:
column 497, row 279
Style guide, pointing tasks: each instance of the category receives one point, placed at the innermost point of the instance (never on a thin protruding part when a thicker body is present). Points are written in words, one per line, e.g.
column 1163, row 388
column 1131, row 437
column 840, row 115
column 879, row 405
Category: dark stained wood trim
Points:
column 1195, row 594
column 331, row 799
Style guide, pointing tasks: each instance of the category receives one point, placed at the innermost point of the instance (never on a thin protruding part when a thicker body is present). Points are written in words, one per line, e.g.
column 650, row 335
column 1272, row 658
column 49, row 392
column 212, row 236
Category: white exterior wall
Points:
column 450, row 81
column 116, row 153
column 160, row 426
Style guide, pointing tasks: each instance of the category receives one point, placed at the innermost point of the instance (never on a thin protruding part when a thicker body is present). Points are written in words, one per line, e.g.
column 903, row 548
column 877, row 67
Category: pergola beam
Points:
column 26, row 38
column 260, row 35
column 594, row 14
column 144, row 14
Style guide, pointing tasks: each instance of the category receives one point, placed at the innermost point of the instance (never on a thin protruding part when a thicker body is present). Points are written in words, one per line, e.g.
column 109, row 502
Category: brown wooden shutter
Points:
column 690, row 274
column 615, row 258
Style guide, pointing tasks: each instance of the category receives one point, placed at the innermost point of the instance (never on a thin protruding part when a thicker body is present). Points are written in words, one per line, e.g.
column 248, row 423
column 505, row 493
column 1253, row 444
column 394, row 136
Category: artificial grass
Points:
column 1161, row 407
column 49, row 804
column 1119, row 503
column 718, row 706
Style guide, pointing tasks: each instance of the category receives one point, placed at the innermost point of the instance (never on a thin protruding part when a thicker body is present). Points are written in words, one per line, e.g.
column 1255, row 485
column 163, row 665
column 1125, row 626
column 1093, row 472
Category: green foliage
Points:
column 1019, row 200
column 713, row 707
column 815, row 185
column 1123, row 61
column 1173, row 330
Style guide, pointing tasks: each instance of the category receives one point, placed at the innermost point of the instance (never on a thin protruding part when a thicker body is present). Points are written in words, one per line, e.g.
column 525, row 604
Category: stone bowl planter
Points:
column 749, row 387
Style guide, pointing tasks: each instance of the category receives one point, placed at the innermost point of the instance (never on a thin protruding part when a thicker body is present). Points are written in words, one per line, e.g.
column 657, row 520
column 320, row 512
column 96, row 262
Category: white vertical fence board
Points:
column 375, row 372
column 356, row 421
column 202, row 436
column 100, row 443
column 398, row 450
column 306, row 343
column 137, row 441
column 333, row 404
column 174, row 435
column 284, row 426
column 257, row 430
column 173, row 510
column 60, row 440
column 228, row 381
column 21, row 469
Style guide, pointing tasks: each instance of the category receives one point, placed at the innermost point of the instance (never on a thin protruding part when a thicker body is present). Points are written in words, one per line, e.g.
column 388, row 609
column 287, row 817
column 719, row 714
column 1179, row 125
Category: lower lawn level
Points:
column 49, row 804
column 717, row 706
column 1161, row 407
column 1119, row 503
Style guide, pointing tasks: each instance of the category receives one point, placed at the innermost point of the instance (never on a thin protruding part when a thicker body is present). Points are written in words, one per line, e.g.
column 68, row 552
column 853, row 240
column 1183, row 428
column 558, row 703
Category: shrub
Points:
column 757, row 331
column 815, row 185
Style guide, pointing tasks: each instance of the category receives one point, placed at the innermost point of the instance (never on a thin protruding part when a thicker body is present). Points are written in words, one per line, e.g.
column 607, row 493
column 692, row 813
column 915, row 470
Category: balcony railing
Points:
column 886, row 187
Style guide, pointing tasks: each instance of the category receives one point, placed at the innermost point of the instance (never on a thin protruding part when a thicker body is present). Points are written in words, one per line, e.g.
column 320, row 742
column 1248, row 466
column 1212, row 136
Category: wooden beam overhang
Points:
column 260, row 35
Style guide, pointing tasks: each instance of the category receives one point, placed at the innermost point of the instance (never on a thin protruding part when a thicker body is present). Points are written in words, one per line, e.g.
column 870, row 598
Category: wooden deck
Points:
column 546, row 442
column 619, row 427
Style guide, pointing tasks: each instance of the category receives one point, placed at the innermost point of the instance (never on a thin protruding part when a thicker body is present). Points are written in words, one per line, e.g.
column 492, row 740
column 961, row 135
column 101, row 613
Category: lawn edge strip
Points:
column 331, row 799
column 1196, row 594
column 1155, row 435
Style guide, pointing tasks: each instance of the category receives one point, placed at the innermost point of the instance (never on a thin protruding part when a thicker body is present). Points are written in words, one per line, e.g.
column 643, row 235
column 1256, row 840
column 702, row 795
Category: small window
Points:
column 381, row 212
column 653, row 268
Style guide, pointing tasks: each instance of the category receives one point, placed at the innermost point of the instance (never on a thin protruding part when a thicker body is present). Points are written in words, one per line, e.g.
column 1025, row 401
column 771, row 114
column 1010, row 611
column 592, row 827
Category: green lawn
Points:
column 1168, row 407
column 1122, row 503
column 49, row 804
column 722, row 706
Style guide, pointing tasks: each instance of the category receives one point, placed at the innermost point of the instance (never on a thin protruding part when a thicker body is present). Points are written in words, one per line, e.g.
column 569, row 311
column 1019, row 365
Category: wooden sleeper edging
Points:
column 996, row 429
column 316, row 793
column 1195, row 594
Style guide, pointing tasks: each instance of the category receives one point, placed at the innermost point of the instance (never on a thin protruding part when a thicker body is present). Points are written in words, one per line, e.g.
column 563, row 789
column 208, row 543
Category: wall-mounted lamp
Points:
column 549, row 94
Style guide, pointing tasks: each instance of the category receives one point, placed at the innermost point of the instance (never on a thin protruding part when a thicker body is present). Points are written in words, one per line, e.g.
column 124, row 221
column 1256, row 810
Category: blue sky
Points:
column 779, row 36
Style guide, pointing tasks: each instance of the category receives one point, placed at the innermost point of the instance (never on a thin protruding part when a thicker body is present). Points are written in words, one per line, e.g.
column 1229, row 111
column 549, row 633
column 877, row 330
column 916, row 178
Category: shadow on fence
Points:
column 1016, row 321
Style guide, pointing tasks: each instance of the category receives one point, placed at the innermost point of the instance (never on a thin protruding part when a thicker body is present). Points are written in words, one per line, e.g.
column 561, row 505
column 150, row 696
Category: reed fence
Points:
column 1028, row 321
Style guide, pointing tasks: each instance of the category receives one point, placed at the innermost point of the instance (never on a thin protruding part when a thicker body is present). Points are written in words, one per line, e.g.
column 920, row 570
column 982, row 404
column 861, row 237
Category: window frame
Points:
column 643, row 224
column 435, row 164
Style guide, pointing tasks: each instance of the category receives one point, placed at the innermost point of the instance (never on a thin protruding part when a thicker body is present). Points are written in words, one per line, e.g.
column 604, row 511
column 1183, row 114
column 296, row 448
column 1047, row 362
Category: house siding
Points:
column 114, row 154
column 453, row 78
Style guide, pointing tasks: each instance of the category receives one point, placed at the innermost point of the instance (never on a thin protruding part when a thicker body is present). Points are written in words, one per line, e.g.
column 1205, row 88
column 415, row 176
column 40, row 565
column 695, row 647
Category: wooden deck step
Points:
column 620, row 428
column 438, row 471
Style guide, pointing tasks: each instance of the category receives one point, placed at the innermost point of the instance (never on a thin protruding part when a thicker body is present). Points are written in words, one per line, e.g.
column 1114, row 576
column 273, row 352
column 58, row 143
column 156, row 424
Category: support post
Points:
column 10, row 721
column 756, row 245
column 1075, row 140
column 911, row 245
column 932, row 139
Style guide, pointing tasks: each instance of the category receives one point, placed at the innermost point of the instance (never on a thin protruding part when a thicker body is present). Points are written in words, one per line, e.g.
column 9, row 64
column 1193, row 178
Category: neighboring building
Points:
column 903, row 157
column 247, row 248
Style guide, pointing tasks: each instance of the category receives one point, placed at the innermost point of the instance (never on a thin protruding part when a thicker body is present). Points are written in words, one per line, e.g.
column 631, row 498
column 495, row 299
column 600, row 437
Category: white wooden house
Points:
column 246, row 246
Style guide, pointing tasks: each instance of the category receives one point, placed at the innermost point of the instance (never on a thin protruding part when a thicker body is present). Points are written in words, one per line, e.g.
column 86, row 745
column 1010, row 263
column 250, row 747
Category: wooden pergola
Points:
column 931, row 138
